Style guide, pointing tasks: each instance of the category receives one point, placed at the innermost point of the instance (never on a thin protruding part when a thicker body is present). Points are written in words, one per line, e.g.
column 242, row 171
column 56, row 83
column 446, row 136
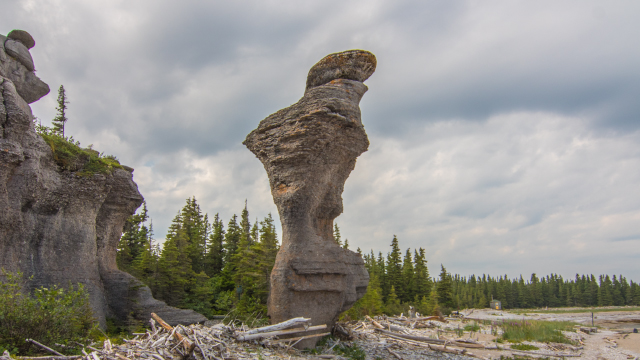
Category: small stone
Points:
column 20, row 53
column 22, row 36
column 355, row 65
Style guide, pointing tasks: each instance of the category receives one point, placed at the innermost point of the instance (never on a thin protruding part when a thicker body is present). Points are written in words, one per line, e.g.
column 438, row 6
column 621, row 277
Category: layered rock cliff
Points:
column 59, row 225
column 308, row 150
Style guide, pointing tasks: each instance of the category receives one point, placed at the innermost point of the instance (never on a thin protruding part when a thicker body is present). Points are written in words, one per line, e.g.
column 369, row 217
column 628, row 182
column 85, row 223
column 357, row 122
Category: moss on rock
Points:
column 85, row 162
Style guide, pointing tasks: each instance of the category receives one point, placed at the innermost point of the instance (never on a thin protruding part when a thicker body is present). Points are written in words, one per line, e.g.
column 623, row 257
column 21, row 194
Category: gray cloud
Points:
column 504, row 136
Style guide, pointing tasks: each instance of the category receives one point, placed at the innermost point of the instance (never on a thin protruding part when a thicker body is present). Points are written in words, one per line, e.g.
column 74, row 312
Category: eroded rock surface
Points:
column 55, row 225
column 308, row 150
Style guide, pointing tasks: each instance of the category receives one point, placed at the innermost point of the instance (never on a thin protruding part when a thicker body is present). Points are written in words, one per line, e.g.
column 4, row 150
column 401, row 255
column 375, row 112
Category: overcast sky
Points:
column 505, row 136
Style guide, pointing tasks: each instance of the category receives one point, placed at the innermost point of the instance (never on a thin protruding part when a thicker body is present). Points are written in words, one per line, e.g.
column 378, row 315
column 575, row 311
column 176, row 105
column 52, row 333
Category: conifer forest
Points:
column 215, row 267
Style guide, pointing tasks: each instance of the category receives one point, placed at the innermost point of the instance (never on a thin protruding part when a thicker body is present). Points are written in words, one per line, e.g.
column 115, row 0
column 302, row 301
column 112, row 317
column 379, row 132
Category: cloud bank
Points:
column 505, row 137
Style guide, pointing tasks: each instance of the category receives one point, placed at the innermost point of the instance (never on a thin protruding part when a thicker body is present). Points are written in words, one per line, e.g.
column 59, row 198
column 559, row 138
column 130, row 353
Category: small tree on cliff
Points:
column 336, row 234
column 61, row 117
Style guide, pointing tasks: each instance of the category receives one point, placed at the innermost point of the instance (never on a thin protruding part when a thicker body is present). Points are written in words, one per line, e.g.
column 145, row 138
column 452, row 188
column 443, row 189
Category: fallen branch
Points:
column 43, row 347
column 375, row 323
column 445, row 349
column 436, row 318
column 245, row 336
column 523, row 352
column 63, row 357
column 280, row 326
column 394, row 354
column 299, row 338
column 188, row 345
column 431, row 341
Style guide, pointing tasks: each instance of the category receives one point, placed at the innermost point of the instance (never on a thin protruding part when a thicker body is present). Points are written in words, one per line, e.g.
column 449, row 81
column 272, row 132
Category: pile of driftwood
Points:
column 397, row 333
column 218, row 342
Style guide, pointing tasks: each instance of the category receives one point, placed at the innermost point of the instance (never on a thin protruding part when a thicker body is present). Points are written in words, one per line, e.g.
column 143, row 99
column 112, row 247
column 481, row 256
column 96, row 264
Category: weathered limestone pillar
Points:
column 308, row 150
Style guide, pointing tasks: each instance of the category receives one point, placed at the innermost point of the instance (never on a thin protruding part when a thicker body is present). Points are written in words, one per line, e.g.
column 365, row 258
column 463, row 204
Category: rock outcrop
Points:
column 308, row 150
column 56, row 225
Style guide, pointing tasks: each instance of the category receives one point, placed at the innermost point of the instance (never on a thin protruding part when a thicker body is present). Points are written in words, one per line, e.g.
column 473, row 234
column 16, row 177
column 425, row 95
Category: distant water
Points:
column 620, row 325
column 628, row 325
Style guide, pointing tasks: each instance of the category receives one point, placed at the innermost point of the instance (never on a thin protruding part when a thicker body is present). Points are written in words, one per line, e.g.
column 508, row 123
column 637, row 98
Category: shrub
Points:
column 51, row 315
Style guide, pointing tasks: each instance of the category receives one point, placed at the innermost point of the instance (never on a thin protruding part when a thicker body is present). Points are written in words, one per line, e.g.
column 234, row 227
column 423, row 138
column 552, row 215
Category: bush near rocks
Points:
column 49, row 316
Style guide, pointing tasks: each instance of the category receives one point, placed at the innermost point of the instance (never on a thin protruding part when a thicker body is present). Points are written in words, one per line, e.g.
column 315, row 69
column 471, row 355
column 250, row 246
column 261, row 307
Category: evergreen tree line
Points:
column 202, row 265
column 212, row 269
column 398, row 282
column 551, row 291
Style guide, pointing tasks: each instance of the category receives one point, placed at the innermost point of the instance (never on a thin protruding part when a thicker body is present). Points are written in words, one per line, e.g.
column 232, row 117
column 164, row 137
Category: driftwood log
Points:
column 188, row 345
column 263, row 335
column 430, row 341
column 63, row 357
column 43, row 347
column 529, row 353
column 298, row 339
column 281, row 326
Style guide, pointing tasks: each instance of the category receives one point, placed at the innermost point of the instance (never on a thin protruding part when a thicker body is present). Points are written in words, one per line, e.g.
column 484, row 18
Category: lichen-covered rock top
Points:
column 356, row 65
column 308, row 150
column 22, row 36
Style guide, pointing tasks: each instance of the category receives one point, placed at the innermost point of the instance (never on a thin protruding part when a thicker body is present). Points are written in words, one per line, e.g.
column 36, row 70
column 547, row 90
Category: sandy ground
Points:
column 629, row 342
column 614, row 339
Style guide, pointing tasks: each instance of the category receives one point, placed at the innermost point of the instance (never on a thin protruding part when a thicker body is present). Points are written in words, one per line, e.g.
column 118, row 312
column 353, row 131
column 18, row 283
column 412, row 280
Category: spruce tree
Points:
column 215, row 250
column 196, row 228
column 243, row 260
column 61, row 117
column 381, row 271
column 394, row 268
column 336, row 235
column 422, row 282
column 408, row 278
column 393, row 307
column 266, row 250
column 231, row 240
column 245, row 226
column 145, row 265
column 176, row 277
column 135, row 240
column 445, row 291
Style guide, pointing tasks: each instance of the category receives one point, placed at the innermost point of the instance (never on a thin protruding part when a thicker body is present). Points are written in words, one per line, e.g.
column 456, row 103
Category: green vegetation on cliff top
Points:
column 68, row 154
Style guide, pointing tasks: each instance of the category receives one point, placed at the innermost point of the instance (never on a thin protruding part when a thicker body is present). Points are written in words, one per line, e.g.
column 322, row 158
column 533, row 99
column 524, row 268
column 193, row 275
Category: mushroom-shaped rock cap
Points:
column 22, row 36
column 355, row 65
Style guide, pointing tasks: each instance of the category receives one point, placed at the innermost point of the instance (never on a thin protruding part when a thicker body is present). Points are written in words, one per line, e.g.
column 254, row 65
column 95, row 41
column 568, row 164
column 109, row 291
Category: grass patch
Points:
column 472, row 327
column 350, row 351
column 524, row 347
column 68, row 155
column 541, row 331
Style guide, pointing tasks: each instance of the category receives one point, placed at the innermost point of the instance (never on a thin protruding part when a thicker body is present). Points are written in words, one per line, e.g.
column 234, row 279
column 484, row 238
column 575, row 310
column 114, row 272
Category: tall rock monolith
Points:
column 308, row 150
column 62, row 225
